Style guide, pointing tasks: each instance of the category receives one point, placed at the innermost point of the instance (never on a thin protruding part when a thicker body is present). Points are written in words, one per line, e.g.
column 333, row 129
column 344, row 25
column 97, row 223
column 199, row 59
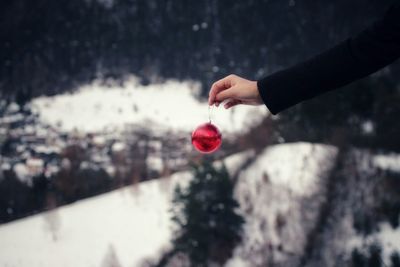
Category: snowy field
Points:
column 272, row 194
column 131, row 224
column 123, row 226
column 170, row 106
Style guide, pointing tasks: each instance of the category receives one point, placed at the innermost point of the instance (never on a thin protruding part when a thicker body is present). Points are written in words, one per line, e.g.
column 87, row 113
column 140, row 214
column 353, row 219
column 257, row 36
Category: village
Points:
column 78, row 165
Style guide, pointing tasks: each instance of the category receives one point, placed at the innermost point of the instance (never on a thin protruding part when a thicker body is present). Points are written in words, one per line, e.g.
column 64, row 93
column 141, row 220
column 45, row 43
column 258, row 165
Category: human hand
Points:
column 235, row 90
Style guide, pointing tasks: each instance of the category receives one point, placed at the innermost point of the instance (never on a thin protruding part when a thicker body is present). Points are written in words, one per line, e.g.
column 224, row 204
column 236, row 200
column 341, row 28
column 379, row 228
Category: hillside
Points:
column 130, row 224
column 104, row 136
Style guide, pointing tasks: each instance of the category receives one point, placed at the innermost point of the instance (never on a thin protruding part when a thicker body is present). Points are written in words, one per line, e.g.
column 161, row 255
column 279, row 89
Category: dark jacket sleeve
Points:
column 357, row 57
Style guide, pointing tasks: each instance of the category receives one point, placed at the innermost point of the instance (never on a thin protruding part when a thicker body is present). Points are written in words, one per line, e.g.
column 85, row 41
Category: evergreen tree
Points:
column 357, row 259
column 395, row 259
column 375, row 259
column 208, row 226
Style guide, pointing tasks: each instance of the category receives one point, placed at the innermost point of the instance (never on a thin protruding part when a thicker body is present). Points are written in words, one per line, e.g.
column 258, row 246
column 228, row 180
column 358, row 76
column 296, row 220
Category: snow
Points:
column 51, row 170
column 367, row 127
column 272, row 193
column 46, row 149
column 99, row 140
column 168, row 106
column 131, row 224
column 234, row 162
column 11, row 118
column 386, row 236
column 22, row 172
column 387, row 162
column 155, row 163
column 35, row 163
column 5, row 166
column 126, row 226
column 295, row 167
column 236, row 262
column 13, row 107
column 134, row 221
column 118, row 147
column 389, row 238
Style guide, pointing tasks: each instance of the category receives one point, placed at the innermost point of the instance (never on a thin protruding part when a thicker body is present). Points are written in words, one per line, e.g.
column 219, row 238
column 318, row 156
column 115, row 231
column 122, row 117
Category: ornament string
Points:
column 209, row 113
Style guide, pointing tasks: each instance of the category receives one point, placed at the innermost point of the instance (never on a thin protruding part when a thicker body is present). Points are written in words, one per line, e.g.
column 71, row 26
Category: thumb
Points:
column 226, row 94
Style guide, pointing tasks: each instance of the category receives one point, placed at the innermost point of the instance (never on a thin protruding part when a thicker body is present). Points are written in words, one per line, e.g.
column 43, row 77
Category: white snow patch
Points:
column 234, row 162
column 367, row 127
column 13, row 107
column 387, row 162
column 127, row 225
column 118, row 147
column 155, row 163
column 22, row 172
column 11, row 118
column 386, row 236
column 168, row 106
column 272, row 192
column 5, row 166
column 295, row 166
column 46, row 149
column 134, row 221
column 99, row 140
column 131, row 224
column 237, row 262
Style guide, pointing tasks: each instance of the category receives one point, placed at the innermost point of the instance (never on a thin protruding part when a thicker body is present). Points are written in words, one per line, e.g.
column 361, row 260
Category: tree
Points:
column 395, row 259
column 208, row 226
column 375, row 252
column 357, row 259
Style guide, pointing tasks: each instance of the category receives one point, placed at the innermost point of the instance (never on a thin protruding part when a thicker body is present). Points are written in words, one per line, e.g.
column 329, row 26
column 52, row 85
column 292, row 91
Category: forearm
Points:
column 357, row 57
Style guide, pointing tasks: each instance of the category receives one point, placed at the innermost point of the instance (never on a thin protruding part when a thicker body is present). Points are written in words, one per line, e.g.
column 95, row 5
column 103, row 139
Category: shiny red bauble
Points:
column 206, row 138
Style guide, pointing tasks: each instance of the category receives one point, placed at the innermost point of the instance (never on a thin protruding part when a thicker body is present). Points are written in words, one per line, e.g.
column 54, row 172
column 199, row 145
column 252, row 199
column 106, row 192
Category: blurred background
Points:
column 98, row 102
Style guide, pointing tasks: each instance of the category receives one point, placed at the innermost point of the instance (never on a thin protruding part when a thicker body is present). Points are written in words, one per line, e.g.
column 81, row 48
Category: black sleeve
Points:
column 357, row 57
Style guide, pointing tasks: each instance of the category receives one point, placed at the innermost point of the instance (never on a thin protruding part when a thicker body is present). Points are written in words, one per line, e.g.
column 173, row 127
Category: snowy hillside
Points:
column 131, row 224
column 122, row 226
column 280, row 195
column 281, row 192
column 168, row 106
column 118, row 133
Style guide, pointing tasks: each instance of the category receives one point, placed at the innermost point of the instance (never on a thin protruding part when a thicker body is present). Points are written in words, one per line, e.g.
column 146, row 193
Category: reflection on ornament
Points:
column 206, row 138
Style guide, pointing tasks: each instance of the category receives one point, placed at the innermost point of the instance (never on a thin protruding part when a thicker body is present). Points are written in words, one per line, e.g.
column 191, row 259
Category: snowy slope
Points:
column 124, row 226
column 387, row 236
column 131, row 224
column 280, row 195
column 171, row 105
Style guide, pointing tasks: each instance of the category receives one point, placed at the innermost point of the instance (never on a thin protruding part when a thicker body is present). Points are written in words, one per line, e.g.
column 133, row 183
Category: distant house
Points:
column 35, row 166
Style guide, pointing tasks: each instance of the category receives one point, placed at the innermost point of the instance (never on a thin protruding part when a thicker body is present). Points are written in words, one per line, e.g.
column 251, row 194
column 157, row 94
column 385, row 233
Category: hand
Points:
column 235, row 90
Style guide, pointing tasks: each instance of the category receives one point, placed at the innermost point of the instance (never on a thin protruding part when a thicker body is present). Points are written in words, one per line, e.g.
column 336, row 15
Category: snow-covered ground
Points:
column 122, row 226
column 131, row 224
column 170, row 106
column 387, row 162
column 386, row 236
column 280, row 196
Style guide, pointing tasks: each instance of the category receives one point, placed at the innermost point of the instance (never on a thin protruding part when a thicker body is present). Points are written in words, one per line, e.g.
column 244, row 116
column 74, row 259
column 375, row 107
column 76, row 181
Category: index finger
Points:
column 218, row 86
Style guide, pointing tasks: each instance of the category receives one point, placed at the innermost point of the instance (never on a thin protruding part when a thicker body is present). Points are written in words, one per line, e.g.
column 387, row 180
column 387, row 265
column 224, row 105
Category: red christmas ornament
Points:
column 206, row 138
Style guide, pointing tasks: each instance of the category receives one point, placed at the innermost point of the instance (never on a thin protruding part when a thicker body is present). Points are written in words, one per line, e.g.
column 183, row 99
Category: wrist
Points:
column 256, row 94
